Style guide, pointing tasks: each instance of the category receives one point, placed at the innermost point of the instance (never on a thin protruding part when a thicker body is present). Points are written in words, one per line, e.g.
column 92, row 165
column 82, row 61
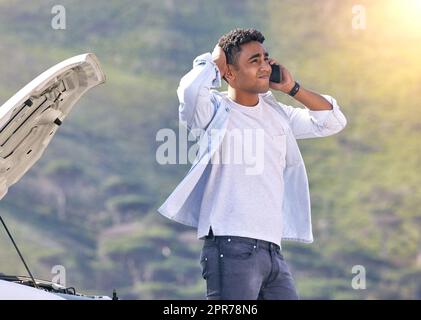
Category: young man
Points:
column 243, row 213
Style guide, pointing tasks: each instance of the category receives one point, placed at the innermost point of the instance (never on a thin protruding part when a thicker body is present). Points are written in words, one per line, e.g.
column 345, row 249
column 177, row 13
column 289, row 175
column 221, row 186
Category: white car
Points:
column 28, row 122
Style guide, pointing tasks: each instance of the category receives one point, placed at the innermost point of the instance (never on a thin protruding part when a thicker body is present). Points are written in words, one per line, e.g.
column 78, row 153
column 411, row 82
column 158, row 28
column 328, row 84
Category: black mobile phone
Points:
column 275, row 76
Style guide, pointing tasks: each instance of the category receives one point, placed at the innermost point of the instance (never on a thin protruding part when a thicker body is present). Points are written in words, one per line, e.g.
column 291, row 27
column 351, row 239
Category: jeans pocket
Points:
column 208, row 255
column 204, row 265
column 237, row 249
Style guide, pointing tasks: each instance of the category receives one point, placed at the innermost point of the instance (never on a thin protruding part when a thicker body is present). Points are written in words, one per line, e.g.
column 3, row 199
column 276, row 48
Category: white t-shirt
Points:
column 244, row 192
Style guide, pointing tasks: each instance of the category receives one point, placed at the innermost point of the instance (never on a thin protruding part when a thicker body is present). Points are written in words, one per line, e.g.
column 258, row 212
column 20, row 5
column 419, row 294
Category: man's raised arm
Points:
column 196, row 106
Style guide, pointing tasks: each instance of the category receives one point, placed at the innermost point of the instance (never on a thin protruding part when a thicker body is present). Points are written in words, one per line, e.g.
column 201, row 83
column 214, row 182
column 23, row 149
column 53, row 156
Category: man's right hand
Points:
column 218, row 56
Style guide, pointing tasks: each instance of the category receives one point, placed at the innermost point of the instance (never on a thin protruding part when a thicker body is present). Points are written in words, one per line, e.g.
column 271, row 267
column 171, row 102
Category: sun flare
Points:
column 406, row 16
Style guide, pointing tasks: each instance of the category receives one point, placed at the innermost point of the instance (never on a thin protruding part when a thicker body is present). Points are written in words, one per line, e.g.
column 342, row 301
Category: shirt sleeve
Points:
column 306, row 123
column 197, row 105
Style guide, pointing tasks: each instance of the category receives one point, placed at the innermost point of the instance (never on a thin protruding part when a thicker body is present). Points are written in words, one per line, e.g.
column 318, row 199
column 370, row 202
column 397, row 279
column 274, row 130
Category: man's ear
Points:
column 229, row 74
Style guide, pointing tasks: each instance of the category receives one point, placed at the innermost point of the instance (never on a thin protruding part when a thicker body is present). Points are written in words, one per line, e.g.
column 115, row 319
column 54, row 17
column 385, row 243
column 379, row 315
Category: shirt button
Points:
column 221, row 255
column 254, row 247
column 229, row 239
column 227, row 109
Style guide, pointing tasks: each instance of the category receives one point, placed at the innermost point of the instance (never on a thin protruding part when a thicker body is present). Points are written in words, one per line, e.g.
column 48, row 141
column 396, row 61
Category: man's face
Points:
column 251, row 71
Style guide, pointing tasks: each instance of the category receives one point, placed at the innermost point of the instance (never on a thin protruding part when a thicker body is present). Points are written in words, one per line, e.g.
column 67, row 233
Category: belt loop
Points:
column 211, row 236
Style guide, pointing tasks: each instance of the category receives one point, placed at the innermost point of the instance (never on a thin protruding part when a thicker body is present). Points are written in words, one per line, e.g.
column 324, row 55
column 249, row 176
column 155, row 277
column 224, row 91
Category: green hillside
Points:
column 90, row 203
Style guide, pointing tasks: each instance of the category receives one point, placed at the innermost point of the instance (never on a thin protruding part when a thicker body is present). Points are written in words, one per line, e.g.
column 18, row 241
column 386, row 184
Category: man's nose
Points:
column 265, row 67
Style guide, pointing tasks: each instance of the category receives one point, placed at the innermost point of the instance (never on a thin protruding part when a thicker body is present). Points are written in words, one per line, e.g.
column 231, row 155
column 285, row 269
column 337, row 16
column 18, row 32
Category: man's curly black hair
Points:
column 231, row 42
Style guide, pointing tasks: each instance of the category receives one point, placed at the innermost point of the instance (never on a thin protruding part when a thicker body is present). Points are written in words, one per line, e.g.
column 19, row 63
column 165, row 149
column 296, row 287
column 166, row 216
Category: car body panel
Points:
column 15, row 291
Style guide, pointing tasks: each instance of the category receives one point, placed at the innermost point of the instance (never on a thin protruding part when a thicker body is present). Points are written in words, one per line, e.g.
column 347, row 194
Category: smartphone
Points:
column 275, row 76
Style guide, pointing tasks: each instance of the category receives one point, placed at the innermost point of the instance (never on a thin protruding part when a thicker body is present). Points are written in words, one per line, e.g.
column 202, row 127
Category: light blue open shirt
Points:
column 207, row 111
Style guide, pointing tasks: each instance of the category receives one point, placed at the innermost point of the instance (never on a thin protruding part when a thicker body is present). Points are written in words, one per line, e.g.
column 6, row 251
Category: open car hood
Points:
column 28, row 122
column 29, row 119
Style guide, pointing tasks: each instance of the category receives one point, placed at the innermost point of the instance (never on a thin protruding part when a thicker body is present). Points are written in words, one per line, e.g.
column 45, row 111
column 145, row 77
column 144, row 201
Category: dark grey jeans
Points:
column 238, row 268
